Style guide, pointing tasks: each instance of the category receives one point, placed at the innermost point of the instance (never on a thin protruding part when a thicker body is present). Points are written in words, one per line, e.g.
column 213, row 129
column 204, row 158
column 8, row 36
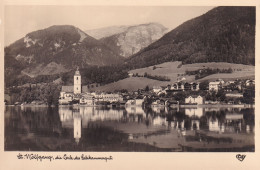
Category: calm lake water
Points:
column 156, row 129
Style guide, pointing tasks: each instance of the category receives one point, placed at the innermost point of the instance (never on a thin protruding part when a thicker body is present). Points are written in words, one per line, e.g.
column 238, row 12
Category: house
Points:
column 87, row 99
column 158, row 102
column 179, row 86
column 184, row 86
column 65, row 97
column 250, row 83
column 157, row 89
column 194, row 99
column 214, row 86
column 135, row 102
column 195, row 86
column 130, row 74
column 174, row 86
column 187, row 86
column 108, row 97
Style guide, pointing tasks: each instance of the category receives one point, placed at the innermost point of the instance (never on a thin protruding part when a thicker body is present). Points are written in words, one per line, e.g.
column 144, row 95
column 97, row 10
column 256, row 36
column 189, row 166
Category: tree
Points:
column 147, row 88
column 204, row 85
column 180, row 96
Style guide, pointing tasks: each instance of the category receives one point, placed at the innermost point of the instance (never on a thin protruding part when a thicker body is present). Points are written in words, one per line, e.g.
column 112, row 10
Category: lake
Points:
column 153, row 129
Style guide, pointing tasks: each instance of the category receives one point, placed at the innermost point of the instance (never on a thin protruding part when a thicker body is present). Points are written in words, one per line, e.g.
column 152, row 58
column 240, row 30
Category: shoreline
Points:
column 180, row 106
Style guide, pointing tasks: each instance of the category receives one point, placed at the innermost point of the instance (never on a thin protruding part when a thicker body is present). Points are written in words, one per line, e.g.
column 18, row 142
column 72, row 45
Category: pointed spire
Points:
column 77, row 72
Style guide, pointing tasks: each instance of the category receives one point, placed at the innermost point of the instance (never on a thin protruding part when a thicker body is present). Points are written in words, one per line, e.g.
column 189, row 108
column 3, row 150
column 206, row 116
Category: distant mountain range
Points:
column 106, row 31
column 128, row 40
column 224, row 34
column 134, row 38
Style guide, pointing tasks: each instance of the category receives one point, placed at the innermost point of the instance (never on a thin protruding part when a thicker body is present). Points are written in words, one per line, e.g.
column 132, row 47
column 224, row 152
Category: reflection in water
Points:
column 194, row 112
column 78, row 117
column 149, row 129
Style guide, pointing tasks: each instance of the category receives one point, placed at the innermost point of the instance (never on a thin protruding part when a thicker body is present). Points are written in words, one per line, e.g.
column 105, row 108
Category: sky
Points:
column 20, row 20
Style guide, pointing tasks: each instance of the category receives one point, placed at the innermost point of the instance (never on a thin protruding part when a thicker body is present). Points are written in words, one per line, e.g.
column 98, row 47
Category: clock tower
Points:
column 77, row 82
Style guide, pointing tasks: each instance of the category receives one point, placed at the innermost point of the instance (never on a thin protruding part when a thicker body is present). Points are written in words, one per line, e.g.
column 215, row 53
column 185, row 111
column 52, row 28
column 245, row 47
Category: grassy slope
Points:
column 171, row 70
column 131, row 84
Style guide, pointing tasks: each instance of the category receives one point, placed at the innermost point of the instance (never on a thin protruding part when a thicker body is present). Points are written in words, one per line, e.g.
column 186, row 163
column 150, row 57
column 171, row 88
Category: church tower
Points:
column 77, row 82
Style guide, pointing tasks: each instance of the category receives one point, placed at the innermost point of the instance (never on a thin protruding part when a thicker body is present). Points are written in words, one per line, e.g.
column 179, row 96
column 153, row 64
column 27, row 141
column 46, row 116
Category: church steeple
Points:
column 77, row 82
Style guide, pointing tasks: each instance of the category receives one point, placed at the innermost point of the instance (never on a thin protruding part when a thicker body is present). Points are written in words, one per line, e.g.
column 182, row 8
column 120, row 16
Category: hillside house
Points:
column 195, row 86
column 157, row 89
column 215, row 86
column 250, row 82
column 130, row 74
column 184, row 86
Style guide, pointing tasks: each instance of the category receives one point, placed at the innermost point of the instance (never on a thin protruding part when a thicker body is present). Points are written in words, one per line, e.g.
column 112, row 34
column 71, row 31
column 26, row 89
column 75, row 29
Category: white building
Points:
column 250, row 82
column 157, row 89
column 194, row 99
column 87, row 99
column 214, row 86
column 108, row 97
column 234, row 95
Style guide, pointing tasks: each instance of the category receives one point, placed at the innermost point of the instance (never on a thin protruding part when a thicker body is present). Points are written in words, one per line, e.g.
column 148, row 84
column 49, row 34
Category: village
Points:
column 182, row 93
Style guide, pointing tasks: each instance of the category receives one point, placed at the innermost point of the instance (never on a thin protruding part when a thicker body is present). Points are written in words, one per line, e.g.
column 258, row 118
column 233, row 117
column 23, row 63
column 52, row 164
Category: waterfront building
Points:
column 108, row 97
column 194, row 99
column 135, row 102
column 81, row 94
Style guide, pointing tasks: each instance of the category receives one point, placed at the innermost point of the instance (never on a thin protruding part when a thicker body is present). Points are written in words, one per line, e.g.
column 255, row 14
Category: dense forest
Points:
column 95, row 74
column 224, row 34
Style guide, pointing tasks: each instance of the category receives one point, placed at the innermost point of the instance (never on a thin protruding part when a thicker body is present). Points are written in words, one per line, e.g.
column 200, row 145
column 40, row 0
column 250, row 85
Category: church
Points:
column 75, row 92
column 81, row 95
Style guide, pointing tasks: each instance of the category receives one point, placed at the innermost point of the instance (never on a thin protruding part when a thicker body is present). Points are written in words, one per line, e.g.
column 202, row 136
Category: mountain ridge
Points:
column 134, row 38
column 222, row 34
column 65, row 46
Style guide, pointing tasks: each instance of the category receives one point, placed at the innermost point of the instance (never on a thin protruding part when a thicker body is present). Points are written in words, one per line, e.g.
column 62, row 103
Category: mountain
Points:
column 106, row 31
column 55, row 50
column 224, row 34
column 130, row 40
